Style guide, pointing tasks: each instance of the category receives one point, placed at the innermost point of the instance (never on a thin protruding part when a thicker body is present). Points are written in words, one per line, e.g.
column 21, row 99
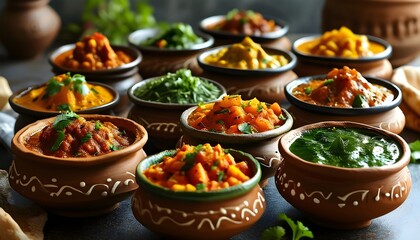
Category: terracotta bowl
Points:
column 276, row 39
column 158, row 61
column 388, row 116
column 27, row 115
column 342, row 198
column 392, row 20
column 77, row 187
column 161, row 120
column 263, row 146
column 377, row 65
column 119, row 78
column 217, row 214
column 265, row 84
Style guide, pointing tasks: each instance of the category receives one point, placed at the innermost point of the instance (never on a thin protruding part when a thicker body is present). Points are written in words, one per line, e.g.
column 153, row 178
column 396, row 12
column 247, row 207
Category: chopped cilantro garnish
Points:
column 86, row 137
column 222, row 111
column 308, row 90
column 98, row 125
column 65, row 107
column 190, row 158
column 64, row 119
column 245, row 128
column 114, row 148
column 328, row 82
column 220, row 176
column 200, row 186
column 58, row 140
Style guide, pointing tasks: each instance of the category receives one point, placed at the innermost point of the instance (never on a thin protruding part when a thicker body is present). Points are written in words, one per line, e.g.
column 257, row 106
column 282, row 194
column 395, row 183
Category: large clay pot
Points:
column 217, row 214
column 396, row 21
column 28, row 27
column 76, row 186
column 338, row 197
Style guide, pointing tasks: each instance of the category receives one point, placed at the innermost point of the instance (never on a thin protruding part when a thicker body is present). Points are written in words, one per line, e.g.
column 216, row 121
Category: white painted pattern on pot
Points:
column 233, row 214
column 53, row 188
column 395, row 192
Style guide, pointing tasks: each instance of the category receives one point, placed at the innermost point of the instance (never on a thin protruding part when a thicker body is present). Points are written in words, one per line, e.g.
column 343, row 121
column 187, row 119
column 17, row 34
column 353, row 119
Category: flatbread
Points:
column 408, row 79
column 412, row 120
column 18, row 222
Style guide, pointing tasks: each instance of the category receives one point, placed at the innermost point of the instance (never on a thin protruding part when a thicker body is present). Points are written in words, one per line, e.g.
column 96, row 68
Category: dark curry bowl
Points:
column 343, row 111
column 205, row 23
column 137, row 37
column 123, row 71
column 27, row 115
column 316, row 58
column 247, row 72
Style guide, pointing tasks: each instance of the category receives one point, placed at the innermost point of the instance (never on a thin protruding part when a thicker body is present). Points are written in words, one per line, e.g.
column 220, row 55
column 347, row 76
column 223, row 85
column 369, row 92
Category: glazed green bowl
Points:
column 218, row 214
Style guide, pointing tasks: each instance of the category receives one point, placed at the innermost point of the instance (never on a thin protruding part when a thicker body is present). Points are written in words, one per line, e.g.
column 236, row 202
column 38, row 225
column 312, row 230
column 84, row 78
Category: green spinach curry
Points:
column 346, row 147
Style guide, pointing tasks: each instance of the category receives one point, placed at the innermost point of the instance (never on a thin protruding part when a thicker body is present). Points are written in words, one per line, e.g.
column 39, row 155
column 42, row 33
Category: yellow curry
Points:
column 245, row 55
column 341, row 43
column 65, row 92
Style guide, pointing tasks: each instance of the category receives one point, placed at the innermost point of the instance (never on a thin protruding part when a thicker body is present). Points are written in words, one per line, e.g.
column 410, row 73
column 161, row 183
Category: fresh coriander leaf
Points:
column 222, row 111
column 328, row 82
column 308, row 90
column 86, row 137
column 53, row 87
column 79, row 84
column 299, row 230
column 63, row 120
column 360, row 101
column 282, row 117
column 94, row 90
column 190, row 158
column 98, row 125
column 114, row 148
column 58, row 140
column 415, row 151
column 273, row 233
column 245, row 128
column 200, row 186
column 220, row 176
column 65, row 107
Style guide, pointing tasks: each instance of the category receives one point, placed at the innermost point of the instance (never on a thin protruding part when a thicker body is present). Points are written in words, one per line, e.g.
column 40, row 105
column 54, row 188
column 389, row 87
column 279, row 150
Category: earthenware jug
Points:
column 28, row 27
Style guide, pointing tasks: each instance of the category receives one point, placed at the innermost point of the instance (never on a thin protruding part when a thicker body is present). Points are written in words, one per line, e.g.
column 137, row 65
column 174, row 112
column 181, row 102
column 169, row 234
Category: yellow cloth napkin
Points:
column 407, row 78
column 5, row 93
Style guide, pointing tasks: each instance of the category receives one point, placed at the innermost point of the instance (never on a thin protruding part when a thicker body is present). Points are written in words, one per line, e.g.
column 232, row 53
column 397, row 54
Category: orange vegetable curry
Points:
column 73, row 136
column 343, row 88
column 232, row 115
column 93, row 52
column 65, row 92
column 199, row 168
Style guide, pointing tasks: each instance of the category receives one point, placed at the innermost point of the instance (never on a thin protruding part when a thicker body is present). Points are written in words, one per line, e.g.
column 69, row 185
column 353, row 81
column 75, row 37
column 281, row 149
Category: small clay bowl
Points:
column 388, row 116
column 263, row 145
column 77, row 187
column 119, row 78
column 265, row 84
column 159, row 61
column 337, row 197
column 218, row 214
column 27, row 115
column 276, row 39
column 161, row 120
column 376, row 65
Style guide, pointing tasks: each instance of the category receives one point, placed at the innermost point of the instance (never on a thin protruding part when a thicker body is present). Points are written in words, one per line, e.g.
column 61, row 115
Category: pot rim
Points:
column 27, row 111
column 140, row 133
column 234, row 138
column 341, row 172
column 290, row 56
column 141, row 102
column 206, row 196
column 133, row 52
column 342, row 60
column 288, row 88
column 208, row 42
column 203, row 25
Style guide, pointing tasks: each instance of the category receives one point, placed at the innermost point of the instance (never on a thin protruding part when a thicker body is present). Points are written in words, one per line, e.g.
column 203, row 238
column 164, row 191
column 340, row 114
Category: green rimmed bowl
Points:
column 211, row 215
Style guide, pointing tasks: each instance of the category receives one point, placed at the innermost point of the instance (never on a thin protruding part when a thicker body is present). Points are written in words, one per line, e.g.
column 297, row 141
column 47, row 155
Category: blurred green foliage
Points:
column 115, row 19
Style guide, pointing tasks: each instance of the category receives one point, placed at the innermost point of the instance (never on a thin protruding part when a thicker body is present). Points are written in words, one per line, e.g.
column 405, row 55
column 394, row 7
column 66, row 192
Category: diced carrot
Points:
column 232, row 181
column 243, row 167
column 197, row 174
column 276, row 108
column 235, row 172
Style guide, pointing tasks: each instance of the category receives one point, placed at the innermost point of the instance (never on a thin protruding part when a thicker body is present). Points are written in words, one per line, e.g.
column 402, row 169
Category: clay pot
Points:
column 159, row 61
column 161, row 120
column 27, row 115
column 119, row 78
column 77, row 187
column 377, row 65
column 342, row 198
column 263, row 146
column 396, row 21
column 265, row 84
column 28, row 27
column 388, row 116
column 217, row 214
column 276, row 39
